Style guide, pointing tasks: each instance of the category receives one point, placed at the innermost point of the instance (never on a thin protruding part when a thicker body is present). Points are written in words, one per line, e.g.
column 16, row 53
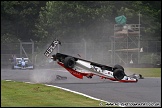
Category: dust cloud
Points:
column 91, row 43
column 128, row 72
column 42, row 76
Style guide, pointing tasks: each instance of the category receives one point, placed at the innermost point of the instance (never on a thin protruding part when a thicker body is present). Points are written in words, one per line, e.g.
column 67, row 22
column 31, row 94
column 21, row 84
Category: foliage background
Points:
column 43, row 20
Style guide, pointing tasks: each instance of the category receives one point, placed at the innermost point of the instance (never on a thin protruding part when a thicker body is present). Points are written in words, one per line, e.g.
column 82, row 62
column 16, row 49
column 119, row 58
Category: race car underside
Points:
column 76, row 66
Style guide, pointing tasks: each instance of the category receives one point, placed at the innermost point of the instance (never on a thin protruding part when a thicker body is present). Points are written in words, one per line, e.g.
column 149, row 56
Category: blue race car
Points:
column 22, row 63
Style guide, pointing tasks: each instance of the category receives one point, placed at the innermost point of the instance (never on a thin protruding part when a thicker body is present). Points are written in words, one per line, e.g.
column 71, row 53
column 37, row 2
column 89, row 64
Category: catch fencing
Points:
column 93, row 51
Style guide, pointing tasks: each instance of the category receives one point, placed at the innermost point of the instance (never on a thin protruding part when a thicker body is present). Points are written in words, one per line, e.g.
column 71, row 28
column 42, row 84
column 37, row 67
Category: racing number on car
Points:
column 96, row 69
column 51, row 47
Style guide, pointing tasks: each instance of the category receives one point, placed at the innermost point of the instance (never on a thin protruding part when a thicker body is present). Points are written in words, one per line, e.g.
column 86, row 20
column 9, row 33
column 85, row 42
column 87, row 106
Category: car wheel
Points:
column 118, row 74
column 69, row 62
column 118, row 67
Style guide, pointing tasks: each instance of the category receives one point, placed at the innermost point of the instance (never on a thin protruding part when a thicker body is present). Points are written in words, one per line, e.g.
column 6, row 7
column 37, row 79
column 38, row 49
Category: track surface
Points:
column 145, row 90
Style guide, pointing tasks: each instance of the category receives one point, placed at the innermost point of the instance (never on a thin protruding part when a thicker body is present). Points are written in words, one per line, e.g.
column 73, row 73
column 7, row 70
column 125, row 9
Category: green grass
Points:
column 145, row 72
column 19, row 94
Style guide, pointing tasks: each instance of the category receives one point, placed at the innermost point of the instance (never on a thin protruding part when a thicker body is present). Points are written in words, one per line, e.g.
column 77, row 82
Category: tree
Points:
column 43, row 20
column 72, row 19
column 150, row 17
column 18, row 18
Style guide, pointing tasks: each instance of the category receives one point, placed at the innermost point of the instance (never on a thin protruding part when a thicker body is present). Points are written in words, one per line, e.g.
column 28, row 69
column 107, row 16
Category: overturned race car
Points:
column 83, row 68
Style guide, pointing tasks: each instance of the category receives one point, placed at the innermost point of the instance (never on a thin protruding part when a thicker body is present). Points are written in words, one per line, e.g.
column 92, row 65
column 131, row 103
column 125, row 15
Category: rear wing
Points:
column 21, row 58
column 52, row 47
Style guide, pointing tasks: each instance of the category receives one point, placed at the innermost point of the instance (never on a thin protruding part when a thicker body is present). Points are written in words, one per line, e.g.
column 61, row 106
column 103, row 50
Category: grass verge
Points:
column 145, row 72
column 19, row 94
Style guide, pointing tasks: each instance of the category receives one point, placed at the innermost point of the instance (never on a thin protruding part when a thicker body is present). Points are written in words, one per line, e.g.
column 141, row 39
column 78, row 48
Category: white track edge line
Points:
column 69, row 91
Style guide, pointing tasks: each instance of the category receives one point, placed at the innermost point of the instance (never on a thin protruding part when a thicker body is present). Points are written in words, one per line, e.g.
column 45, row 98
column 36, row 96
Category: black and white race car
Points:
column 83, row 68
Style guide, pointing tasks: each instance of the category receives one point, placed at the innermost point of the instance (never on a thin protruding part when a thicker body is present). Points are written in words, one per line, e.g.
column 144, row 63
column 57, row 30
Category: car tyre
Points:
column 118, row 74
column 69, row 62
column 118, row 67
